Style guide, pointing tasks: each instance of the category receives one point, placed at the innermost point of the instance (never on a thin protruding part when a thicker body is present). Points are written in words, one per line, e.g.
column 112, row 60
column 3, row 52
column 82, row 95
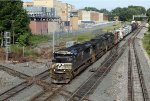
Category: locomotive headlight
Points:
column 54, row 70
column 64, row 70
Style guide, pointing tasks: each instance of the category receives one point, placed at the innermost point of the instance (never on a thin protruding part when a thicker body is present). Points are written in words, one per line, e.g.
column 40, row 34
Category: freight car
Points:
column 69, row 62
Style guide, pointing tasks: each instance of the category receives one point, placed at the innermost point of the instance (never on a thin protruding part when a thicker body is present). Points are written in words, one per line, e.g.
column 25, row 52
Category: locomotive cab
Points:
column 61, row 67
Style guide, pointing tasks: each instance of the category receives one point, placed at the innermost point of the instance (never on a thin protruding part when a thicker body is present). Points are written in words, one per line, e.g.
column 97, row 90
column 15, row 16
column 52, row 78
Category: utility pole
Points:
column 23, row 50
column 2, row 41
column 13, row 31
column 53, row 42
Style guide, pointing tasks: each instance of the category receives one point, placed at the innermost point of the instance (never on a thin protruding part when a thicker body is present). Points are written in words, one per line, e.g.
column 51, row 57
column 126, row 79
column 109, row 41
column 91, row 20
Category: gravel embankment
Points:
column 26, row 94
column 29, row 68
column 114, row 86
column 7, row 81
column 144, row 59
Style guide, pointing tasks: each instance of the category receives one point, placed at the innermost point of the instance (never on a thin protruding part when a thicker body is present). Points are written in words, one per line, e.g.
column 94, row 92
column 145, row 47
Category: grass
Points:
column 36, row 39
column 84, row 37
column 111, row 28
column 146, row 42
column 28, row 51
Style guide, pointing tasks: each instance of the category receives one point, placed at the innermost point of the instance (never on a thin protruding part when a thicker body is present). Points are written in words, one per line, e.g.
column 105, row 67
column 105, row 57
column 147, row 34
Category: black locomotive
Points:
column 69, row 62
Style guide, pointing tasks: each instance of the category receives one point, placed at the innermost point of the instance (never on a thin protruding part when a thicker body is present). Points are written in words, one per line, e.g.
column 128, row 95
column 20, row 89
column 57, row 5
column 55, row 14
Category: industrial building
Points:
column 41, row 11
column 52, row 15
column 91, row 16
column 74, row 20
column 46, row 11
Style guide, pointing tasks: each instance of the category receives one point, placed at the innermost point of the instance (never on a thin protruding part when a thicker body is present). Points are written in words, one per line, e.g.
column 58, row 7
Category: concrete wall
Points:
column 32, row 26
column 105, row 17
column 91, row 16
column 74, row 23
column 84, row 15
column 49, row 3
column 65, row 11
column 95, row 16
column 53, row 26
column 44, row 3
column 28, row 4
column 44, row 27
column 101, row 17
column 38, row 27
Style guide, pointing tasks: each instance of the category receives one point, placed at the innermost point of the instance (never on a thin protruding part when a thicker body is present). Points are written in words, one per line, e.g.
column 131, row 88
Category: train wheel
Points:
column 93, row 58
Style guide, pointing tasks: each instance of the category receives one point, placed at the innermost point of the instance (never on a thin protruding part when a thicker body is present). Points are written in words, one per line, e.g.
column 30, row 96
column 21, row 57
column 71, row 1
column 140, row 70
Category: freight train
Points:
column 69, row 62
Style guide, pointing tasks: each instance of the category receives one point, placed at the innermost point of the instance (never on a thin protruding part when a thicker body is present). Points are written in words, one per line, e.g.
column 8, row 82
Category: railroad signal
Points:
column 7, row 42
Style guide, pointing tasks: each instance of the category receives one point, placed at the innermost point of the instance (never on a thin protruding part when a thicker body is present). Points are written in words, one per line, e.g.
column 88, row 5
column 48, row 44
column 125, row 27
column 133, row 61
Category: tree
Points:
column 14, row 18
column 105, row 11
column 91, row 9
column 148, row 12
column 149, row 26
column 126, row 13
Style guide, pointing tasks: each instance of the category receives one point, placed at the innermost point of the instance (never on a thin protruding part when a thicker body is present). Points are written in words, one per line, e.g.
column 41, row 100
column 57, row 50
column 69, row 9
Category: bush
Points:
column 146, row 42
column 24, row 39
column 149, row 27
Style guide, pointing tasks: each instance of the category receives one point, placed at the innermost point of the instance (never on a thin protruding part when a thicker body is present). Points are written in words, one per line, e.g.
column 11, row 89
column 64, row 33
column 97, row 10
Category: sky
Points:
column 108, row 4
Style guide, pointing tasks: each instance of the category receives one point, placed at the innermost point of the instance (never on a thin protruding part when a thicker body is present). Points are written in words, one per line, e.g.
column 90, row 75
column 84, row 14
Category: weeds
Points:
column 146, row 42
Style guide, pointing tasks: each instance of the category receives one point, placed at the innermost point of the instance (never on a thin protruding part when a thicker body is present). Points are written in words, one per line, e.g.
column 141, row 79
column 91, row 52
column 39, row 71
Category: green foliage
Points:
column 91, row 9
column 149, row 27
column 148, row 12
column 126, row 14
column 24, row 39
column 97, row 10
column 16, row 48
column 146, row 42
column 14, row 18
column 105, row 11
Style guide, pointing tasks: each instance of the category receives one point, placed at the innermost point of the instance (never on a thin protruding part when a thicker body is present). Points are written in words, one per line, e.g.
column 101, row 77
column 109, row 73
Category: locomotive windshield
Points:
column 62, row 58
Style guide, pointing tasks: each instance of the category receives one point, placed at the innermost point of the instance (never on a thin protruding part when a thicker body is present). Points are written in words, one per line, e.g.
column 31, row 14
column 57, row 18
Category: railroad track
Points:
column 29, row 82
column 13, row 91
column 14, row 72
column 95, row 79
column 137, row 90
column 88, row 87
column 47, row 94
column 43, row 75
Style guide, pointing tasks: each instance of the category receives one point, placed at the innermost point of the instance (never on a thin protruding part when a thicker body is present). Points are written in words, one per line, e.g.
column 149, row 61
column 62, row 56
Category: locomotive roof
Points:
column 75, row 49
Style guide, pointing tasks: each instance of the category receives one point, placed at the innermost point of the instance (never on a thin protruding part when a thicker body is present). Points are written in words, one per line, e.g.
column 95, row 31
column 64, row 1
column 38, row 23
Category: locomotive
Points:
column 69, row 62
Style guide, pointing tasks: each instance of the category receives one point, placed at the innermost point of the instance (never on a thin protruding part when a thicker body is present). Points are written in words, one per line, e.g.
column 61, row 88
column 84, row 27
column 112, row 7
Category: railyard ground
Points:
column 113, row 87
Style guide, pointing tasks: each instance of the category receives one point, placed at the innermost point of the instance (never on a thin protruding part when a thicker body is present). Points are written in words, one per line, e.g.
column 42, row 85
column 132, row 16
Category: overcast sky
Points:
column 108, row 4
